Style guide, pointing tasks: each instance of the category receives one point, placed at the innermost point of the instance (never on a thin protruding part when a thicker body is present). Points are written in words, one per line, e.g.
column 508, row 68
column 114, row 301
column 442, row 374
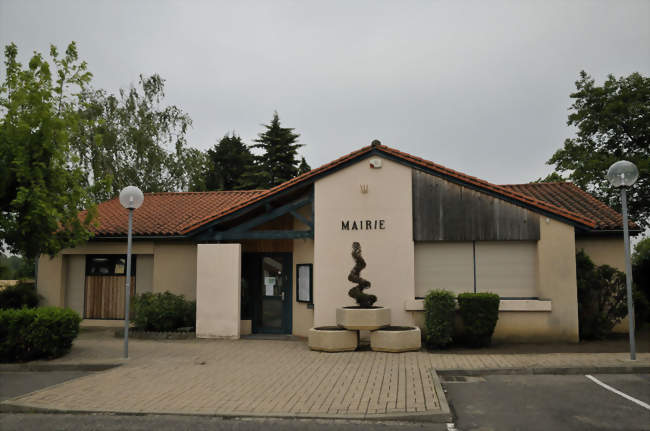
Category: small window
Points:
column 110, row 264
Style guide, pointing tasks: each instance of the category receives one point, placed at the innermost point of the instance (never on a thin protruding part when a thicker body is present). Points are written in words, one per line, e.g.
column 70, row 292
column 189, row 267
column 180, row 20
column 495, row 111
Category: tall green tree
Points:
column 278, row 161
column 41, row 186
column 133, row 138
column 228, row 163
column 612, row 123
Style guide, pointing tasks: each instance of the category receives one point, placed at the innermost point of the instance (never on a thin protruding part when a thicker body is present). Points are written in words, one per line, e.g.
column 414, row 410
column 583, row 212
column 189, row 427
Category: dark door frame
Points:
column 287, row 306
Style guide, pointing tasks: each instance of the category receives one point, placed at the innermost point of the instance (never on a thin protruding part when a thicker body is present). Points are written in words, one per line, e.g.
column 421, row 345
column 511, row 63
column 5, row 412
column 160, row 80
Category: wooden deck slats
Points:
column 105, row 296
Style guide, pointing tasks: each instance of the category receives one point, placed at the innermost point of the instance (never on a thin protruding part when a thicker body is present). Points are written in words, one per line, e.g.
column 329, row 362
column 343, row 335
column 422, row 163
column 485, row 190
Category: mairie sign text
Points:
column 375, row 224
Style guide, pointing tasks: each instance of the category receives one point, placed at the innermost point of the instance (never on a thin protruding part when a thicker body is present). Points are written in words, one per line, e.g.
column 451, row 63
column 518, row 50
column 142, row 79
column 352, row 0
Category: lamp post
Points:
column 623, row 174
column 131, row 198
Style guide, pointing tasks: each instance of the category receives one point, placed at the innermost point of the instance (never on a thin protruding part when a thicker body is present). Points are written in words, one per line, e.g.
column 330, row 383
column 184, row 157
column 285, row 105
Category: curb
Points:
column 548, row 370
column 423, row 417
column 72, row 366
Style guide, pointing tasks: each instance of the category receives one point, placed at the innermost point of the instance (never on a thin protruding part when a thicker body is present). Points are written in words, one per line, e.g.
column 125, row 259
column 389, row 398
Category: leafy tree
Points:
column 132, row 139
column 613, row 123
column 277, row 163
column 228, row 163
column 15, row 267
column 553, row 177
column 41, row 186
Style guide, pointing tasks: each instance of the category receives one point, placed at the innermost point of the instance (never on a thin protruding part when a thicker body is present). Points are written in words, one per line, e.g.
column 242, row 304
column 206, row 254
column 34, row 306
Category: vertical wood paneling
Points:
column 105, row 296
column 444, row 211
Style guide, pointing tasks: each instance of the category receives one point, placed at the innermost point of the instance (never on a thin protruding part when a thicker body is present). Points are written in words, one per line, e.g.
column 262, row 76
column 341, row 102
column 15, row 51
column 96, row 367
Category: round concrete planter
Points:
column 396, row 339
column 365, row 319
column 332, row 339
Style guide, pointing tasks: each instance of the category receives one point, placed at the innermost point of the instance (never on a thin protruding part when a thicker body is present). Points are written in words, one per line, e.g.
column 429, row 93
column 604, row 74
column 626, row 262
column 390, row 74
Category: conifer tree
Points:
column 304, row 166
column 277, row 163
column 228, row 163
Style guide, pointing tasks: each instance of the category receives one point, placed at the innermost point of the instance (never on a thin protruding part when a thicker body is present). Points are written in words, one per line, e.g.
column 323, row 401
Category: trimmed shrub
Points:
column 480, row 312
column 20, row 295
column 164, row 312
column 35, row 333
column 439, row 312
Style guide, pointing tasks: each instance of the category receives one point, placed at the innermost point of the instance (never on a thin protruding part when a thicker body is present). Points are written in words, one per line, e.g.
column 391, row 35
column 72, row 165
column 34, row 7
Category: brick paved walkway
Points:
column 258, row 377
column 274, row 378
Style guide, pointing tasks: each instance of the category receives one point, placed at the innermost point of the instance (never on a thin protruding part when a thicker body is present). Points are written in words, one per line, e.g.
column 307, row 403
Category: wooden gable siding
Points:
column 444, row 211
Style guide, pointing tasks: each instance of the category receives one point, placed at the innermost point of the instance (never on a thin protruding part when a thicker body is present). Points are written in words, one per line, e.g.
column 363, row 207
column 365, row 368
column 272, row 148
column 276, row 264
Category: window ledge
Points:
column 504, row 305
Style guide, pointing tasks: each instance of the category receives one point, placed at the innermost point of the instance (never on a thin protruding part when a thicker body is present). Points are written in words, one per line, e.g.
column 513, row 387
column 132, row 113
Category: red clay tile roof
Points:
column 166, row 213
column 182, row 213
column 573, row 198
column 524, row 198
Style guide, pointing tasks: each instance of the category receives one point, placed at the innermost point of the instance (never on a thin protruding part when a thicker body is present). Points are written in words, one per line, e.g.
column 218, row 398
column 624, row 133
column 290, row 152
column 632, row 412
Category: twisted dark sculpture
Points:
column 363, row 299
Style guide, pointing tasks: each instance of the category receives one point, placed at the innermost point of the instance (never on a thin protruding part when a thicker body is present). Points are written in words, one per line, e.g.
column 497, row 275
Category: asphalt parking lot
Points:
column 548, row 402
column 13, row 384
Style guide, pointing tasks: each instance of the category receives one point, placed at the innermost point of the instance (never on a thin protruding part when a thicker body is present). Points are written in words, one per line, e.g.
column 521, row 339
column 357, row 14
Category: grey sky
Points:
column 481, row 87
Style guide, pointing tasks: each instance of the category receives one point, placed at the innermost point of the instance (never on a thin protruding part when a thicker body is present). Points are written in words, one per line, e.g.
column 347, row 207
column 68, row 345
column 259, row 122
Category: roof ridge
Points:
column 206, row 192
column 536, row 183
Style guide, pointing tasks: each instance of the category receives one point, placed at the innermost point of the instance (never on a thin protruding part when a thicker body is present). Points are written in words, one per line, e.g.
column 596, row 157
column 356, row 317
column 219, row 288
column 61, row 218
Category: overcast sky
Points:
column 481, row 87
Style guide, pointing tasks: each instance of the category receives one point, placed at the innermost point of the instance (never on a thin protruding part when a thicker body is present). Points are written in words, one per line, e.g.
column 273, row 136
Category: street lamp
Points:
column 623, row 174
column 131, row 198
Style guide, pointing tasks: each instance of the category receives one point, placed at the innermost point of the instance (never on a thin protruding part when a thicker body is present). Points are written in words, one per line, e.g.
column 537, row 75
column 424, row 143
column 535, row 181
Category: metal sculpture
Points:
column 363, row 299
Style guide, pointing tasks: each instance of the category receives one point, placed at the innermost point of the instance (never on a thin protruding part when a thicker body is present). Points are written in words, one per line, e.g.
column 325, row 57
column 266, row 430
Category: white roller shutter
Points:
column 443, row 265
column 507, row 268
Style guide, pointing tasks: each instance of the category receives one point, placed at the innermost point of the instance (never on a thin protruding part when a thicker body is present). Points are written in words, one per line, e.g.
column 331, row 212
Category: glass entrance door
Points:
column 266, row 291
column 273, row 293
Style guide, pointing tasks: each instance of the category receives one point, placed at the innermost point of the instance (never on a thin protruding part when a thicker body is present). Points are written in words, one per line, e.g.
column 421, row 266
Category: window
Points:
column 443, row 265
column 108, row 264
column 507, row 268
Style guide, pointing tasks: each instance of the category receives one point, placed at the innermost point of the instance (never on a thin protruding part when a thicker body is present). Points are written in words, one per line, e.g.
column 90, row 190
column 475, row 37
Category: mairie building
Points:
column 277, row 260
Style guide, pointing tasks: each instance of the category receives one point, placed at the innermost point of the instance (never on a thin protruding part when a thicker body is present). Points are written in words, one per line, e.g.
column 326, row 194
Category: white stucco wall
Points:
column 389, row 253
column 218, row 290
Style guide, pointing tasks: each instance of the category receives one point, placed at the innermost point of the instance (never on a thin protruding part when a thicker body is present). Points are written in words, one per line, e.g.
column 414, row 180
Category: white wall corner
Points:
column 218, row 290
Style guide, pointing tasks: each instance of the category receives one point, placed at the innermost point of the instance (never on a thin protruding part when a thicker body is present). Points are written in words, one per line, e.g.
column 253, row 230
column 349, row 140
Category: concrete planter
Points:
column 396, row 339
column 365, row 319
column 332, row 339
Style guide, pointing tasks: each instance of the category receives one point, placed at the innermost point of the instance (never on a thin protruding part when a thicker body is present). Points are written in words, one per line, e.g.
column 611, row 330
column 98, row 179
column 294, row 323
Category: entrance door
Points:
column 266, row 291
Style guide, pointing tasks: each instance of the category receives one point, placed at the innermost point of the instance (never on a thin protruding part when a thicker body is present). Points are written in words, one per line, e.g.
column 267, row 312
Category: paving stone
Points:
column 275, row 377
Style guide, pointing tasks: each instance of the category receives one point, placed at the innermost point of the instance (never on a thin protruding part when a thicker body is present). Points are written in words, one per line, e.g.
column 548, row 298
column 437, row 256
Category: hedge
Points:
column 35, row 333
column 20, row 295
column 439, row 312
column 164, row 312
column 480, row 312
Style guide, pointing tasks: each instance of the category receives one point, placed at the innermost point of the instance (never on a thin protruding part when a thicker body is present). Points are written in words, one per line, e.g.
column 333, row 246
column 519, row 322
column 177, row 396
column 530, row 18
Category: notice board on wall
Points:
column 304, row 291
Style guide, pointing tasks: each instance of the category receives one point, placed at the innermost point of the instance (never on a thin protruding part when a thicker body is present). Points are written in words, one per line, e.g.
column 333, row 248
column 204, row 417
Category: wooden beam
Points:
column 271, row 215
column 304, row 220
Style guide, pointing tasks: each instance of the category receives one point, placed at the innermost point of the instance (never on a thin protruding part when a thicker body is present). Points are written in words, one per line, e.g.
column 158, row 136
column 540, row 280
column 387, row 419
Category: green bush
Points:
column 602, row 297
column 439, row 312
column 34, row 333
column 20, row 295
column 163, row 312
column 641, row 308
column 641, row 277
column 480, row 312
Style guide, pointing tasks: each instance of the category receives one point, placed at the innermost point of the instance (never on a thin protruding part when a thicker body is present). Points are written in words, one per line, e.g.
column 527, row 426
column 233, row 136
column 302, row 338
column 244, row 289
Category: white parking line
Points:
column 617, row 392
